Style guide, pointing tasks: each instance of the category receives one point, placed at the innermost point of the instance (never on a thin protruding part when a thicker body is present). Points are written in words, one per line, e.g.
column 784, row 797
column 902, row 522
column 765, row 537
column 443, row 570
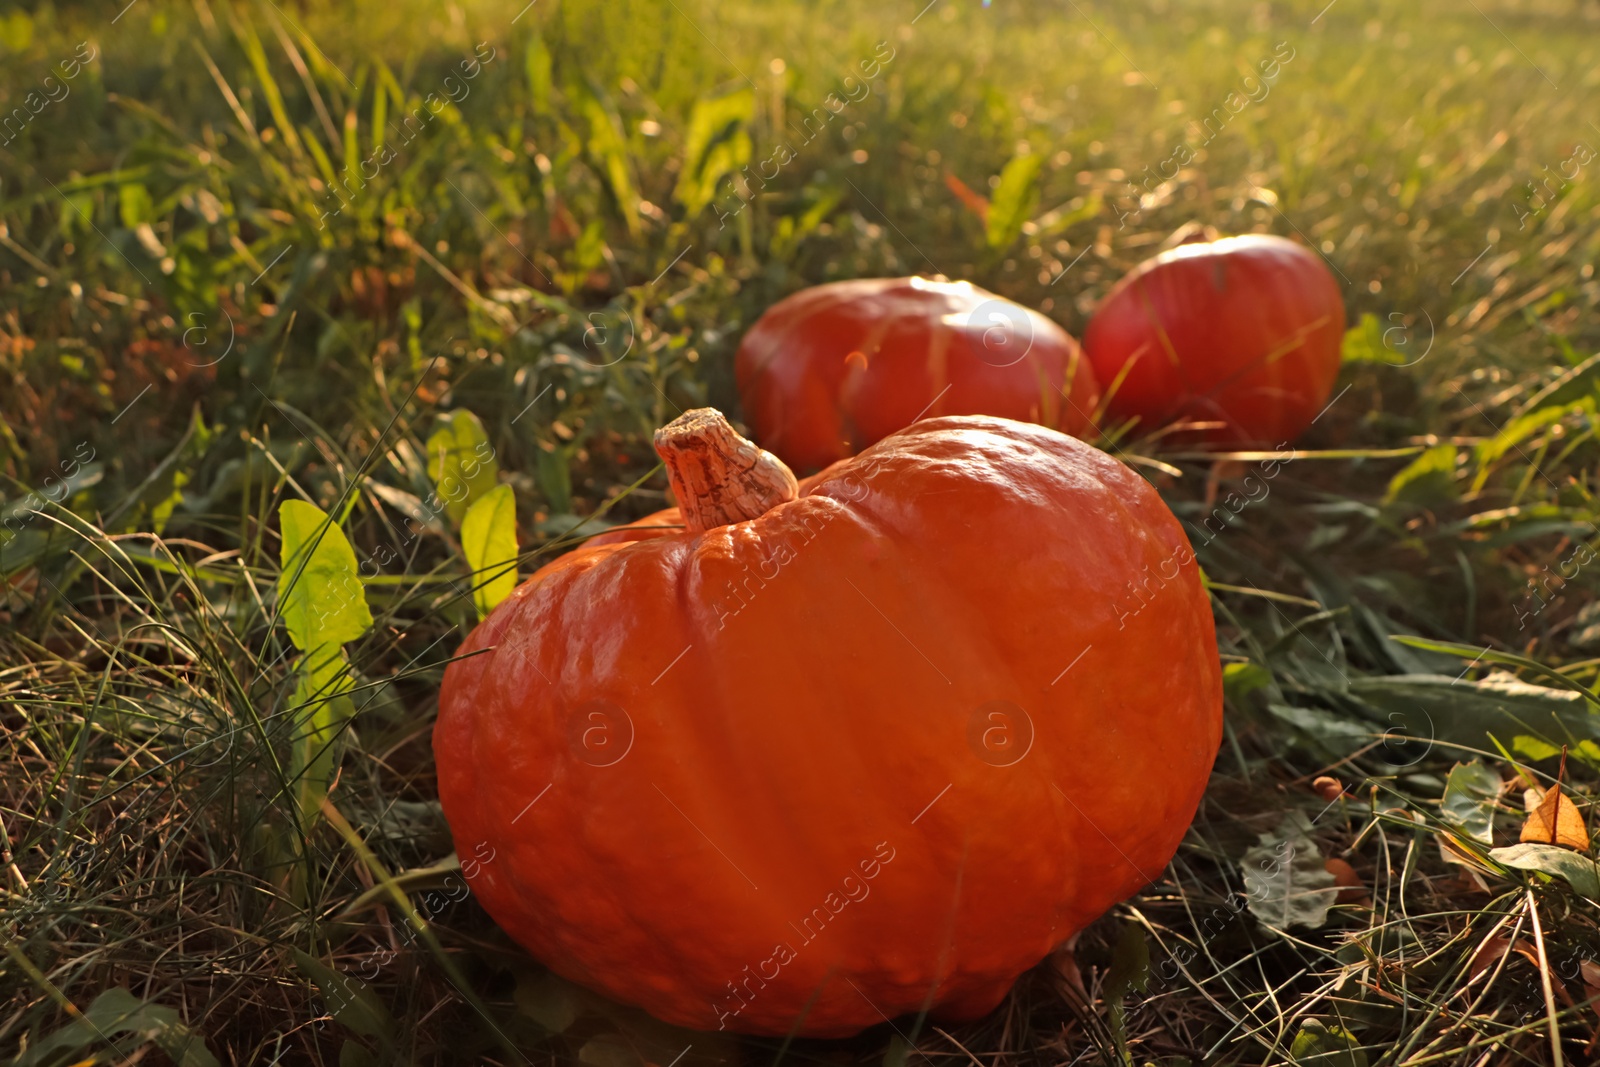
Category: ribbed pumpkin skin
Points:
column 832, row 369
column 786, row 739
column 1245, row 331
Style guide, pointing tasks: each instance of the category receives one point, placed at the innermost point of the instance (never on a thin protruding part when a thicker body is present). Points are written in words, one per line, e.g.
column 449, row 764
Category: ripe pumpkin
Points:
column 832, row 369
column 794, row 755
column 1244, row 332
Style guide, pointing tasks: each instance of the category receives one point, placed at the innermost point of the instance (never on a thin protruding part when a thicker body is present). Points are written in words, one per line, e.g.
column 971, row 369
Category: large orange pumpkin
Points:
column 831, row 369
column 1242, row 333
column 800, row 758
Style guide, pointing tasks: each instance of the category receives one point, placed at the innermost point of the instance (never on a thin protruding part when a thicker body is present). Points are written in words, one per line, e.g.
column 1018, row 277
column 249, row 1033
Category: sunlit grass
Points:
column 190, row 336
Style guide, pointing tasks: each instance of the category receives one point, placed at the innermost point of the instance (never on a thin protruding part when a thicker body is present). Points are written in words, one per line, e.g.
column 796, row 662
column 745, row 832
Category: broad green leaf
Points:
column 1514, row 433
column 548, row 1001
column 489, row 538
column 21, row 549
column 1576, row 869
column 1470, row 794
column 323, row 605
column 1500, row 680
column 538, row 70
column 1014, row 199
column 321, row 709
column 1363, row 343
column 350, row 1001
column 1320, row 1044
column 134, row 205
column 1433, row 708
column 461, row 462
column 1239, row 680
column 19, row 510
column 1429, row 477
column 26, row 537
column 1285, row 879
column 1326, row 733
column 162, row 508
column 1534, row 748
column 1579, row 383
column 1585, row 752
column 609, row 149
column 715, row 146
column 119, row 1018
column 319, row 588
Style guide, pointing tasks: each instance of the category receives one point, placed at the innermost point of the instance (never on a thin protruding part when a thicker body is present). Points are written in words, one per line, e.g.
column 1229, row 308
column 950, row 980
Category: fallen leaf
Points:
column 1284, row 877
column 1352, row 890
column 1580, row 872
column 1527, row 953
column 1470, row 794
column 1556, row 822
column 1489, row 953
column 1070, row 978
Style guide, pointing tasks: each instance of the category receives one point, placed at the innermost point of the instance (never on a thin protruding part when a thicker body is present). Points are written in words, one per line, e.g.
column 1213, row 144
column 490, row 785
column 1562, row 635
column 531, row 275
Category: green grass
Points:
column 186, row 342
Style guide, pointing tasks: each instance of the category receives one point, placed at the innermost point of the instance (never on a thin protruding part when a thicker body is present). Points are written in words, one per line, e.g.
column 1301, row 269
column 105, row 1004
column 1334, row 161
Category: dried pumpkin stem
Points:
column 718, row 477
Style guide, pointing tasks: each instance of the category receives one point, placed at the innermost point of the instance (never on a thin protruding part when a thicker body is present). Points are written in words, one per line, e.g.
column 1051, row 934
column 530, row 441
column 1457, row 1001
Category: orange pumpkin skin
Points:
column 883, row 747
column 829, row 370
column 1245, row 331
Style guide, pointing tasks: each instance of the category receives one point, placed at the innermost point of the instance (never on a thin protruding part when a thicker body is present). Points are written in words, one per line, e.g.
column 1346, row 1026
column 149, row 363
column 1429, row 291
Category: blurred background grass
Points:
column 188, row 335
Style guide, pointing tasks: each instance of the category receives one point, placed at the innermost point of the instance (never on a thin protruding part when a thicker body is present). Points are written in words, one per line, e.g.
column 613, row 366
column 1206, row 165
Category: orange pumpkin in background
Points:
column 1243, row 333
column 792, row 755
column 832, row 369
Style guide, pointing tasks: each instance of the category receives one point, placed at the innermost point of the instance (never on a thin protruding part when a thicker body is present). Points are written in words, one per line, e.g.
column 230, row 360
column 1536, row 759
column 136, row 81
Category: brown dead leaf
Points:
column 1490, row 952
column 971, row 200
column 1486, row 957
column 1556, row 822
column 1527, row 953
column 1223, row 470
column 1591, row 972
column 1069, row 980
column 1352, row 890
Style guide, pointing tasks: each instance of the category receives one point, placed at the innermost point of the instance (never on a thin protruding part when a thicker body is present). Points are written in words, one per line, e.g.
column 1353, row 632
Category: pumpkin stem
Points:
column 718, row 477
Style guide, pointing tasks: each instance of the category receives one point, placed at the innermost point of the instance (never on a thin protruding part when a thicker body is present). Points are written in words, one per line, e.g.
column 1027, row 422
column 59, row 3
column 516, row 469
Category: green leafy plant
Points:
column 1013, row 201
column 461, row 462
column 323, row 606
column 489, row 539
column 122, row 1021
